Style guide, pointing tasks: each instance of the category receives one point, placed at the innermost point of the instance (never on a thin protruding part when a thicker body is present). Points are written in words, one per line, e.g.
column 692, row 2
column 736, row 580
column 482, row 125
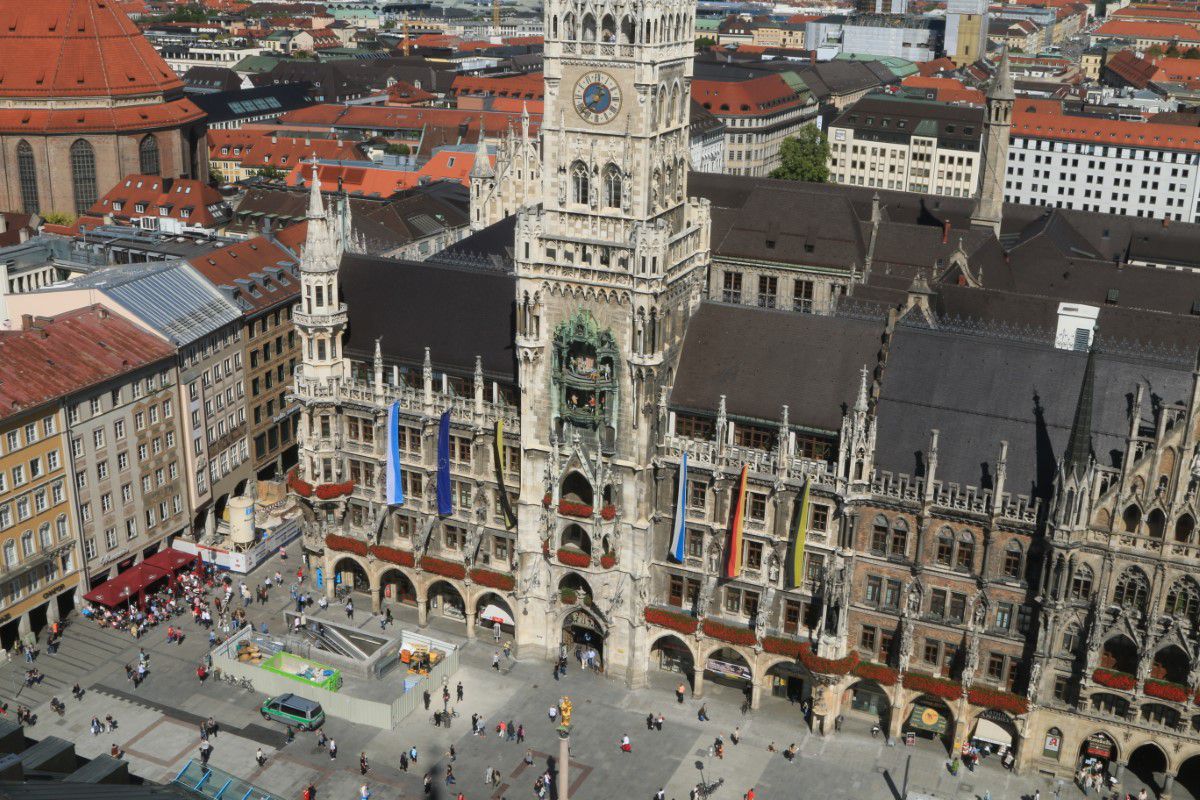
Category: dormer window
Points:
column 118, row 205
column 140, row 208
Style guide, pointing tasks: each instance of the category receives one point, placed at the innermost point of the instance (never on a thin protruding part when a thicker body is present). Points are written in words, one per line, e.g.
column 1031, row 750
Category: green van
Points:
column 292, row 709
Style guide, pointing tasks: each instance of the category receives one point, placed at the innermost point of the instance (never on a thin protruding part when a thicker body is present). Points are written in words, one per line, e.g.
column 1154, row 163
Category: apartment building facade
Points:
column 758, row 113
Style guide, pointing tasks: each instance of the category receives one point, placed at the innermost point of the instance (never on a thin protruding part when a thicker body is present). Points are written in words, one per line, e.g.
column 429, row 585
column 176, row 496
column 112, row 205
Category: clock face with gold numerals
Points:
column 597, row 97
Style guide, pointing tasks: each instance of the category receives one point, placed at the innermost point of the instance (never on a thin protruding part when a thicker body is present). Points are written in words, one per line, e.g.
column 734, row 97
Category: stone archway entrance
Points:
column 672, row 655
column 583, row 637
column 446, row 600
column 930, row 719
column 1187, row 782
column 1097, row 754
column 867, row 700
column 492, row 609
column 350, row 575
column 398, row 587
column 1147, row 767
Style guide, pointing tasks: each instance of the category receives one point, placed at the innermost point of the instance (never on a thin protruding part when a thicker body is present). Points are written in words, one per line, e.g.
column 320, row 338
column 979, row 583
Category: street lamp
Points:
column 703, row 783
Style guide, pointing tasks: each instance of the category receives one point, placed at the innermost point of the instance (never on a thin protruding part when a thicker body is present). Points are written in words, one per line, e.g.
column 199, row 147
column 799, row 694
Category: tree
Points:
column 1193, row 52
column 58, row 218
column 1154, row 51
column 804, row 157
column 705, row 42
column 397, row 150
column 270, row 173
column 215, row 176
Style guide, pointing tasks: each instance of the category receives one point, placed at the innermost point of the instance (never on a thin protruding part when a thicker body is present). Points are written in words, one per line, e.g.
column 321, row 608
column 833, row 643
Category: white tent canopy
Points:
column 990, row 732
column 494, row 613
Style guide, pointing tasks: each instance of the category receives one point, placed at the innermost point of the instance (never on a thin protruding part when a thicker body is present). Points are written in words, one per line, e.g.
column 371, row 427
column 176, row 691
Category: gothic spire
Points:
column 860, row 404
column 482, row 168
column 316, row 208
column 1079, row 445
column 1002, row 84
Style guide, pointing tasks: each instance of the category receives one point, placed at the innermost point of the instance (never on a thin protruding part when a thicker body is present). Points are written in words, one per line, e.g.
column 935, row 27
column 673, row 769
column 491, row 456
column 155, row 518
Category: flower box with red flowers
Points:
column 938, row 687
column 492, row 579
column 729, row 633
column 574, row 509
column 573, row 558
column 440, row 566
column 1114, row 680
column 545, row 501
column 884, row 676
column 984, row 697
column 828, row 666
column 783, row 646
column 676, row 621
column 330, row 491
column 608, row 561
column 345, row 544
column 1165, row 690
column 608, row 513
column 300, row 487
column 568, row 597
column 393, row 555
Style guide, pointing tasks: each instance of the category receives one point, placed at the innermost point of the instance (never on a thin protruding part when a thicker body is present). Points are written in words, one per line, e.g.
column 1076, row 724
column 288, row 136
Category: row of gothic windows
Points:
column 1133, row 592
column 956, row 552
column 83, row 172
column 673, row 27
column 610, row 185
column 1156, row 524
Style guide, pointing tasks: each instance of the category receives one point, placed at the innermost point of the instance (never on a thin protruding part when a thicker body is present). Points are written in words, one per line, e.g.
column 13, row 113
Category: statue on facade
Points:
column 1035, row 682
column 906, row 643
column 773, row 568
column 971, row 656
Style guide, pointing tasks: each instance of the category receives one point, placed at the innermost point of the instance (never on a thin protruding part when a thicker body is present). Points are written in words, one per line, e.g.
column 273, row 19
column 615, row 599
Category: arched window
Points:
column 1053, row 744
column 1156, row 523
column 1132, row 590
column 608, row 28
column 27, row 172
column 945, row 547
column 1184, row 527
column 580, row 189
column 83, row 175
column 1183, row 599
column 27, row 548
column 1070, row 639
column 589, row 28
column 964, row 556
column 879, row 534
column 673, row 105
column 899, row 537
column 628, row 30
column 1131, row 518
column 569, row 27
column 554, row 27
column 60, row 526
column 10, row 553
column 1012, row 559
column 45, row 540
column 148, row 155
column 612, row 186
column 1081, row 583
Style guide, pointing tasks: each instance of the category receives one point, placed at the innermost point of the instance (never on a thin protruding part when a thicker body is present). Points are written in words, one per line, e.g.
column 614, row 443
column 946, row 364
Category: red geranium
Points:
column 783, row 646
column 1114, row 679
column 440, row 566
column 938, row 687
column 393, row 555
column 329, row 491
column 608, row 561
column 674, row 620
column 609, row 512
column 574, row 509
column 546, row 500
column 828, row 666
column 994, row 698
column 885, row 676
column 728, row 633
column 493, row 579
column 573, row 558
column 1165, row 690
column 300, row 487
column 345, row 544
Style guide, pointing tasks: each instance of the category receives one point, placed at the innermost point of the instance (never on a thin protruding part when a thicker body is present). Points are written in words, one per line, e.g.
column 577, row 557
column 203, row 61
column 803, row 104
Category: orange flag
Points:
column 733, row 558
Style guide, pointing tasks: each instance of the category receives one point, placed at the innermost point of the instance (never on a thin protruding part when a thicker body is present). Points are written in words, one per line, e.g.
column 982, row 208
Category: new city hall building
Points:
column 939, row 451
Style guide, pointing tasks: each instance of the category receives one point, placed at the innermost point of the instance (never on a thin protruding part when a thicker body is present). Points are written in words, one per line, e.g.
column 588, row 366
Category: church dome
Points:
column 82, row 65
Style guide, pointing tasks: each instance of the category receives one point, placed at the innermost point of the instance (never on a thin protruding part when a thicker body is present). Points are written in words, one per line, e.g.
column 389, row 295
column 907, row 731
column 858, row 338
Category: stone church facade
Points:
column 1045, row 605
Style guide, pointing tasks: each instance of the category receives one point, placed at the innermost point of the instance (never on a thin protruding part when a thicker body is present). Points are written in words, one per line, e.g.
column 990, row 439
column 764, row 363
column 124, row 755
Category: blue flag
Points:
column 395, row 476
column 445, row 497
column 680, row 514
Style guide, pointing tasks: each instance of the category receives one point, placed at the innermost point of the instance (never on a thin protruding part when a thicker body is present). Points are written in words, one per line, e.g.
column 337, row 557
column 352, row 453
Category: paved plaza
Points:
column 158, row 730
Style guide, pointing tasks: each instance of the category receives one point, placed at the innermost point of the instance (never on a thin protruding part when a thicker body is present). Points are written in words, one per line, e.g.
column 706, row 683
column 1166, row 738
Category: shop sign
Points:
column 1053, row 744
column 726, row 668
column 1099, row 746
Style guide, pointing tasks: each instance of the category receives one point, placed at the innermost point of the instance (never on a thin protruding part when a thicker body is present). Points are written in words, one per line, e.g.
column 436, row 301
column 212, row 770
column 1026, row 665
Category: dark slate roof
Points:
column 490, row 248
column 762, row 359
column 883, row 117
column 212, row 79
column 459, row 314
column 978, row 391
column 256, row 101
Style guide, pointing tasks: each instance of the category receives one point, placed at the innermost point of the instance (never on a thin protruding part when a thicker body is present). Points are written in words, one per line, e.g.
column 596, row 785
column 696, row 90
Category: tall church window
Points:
column 628, row 30
column 27, row 172
column 83, row 175
column 148, row 155
column 1132, row 590
column 569, row 26
column 589, row 28
column 612, row 186
column 608, row 28
column 580, row 189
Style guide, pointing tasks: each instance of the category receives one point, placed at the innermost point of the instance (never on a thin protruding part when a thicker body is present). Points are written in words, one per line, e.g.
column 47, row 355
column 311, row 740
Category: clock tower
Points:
column 610, row 265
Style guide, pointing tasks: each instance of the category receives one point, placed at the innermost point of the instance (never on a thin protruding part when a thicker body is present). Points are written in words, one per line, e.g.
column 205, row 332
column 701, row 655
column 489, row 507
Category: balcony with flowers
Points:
column 321, row 491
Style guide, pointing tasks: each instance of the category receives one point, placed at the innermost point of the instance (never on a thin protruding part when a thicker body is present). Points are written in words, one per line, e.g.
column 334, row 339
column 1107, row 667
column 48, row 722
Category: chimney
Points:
column 101, row 312
column 946, row 232
column 1166, row 222
column 26, row 321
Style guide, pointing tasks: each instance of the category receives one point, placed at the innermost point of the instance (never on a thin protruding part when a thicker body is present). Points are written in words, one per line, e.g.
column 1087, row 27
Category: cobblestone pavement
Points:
column 158, row 730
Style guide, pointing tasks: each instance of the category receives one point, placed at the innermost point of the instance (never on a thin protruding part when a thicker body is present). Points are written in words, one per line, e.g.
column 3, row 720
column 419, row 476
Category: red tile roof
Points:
column 521, row 41
column 754, row 97
column 1176, row 69
column 406, row 94
column 1155, row 11
column 255, row 149
column 1131, row 68
column 155, row 195
column 444, row 165
column 61, row 355
column 530, row 86
column 1044, row 119
column 77, row 48
column 261, row 270
column 947, row 90
column 935, row 67
column 1166, row 31
column 394, row 118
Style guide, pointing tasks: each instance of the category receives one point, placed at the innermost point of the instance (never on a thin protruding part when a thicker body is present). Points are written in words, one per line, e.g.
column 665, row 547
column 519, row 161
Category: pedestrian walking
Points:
column 427, row 698
column 309, row 793
column 528, row 756
column 680, row 691
column 660, row 794
column 322, row 740
column 501, row 728
column 450, row 779
column 650, row 722
column 520, row 734
column 428, row 781
column 363, row 766
column 404, row 761
column 412, row 754
column 736, row 735
column 452, row 753
column 658, row 723
column 205, row 752
column 290, row 736
column 487, row 775
column 508, row 650
column 364, row 792
column 626, row 745
column 387, row 618
column 496, row 631
column 496, row 661
column 552, row 713
column 332, row 749
column 702, row 714
column 259, row 757
column 350, row 609
column 459, row 691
